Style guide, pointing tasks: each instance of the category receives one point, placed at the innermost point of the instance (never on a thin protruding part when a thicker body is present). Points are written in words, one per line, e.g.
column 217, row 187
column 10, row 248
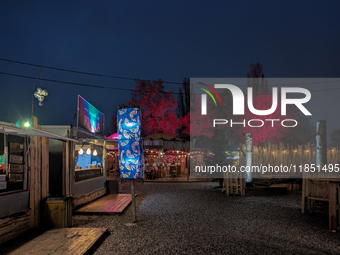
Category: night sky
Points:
column 160, row 39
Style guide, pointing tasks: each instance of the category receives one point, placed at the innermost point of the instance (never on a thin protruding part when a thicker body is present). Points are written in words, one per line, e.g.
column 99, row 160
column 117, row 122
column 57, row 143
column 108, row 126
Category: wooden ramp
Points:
column 110, row 204
column 62, row 241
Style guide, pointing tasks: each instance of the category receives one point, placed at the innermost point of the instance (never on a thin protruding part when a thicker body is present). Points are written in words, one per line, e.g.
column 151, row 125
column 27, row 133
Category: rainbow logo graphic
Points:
column 204, row 97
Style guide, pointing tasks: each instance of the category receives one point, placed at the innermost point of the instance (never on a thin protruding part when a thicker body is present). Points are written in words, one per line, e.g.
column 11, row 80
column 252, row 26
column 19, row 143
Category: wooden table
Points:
column 72, row 241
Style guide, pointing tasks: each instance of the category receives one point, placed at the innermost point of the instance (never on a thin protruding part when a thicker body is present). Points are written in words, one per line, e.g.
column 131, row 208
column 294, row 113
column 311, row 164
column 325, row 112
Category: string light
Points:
column 95, row 153
column 88, row 151
column 81, row 152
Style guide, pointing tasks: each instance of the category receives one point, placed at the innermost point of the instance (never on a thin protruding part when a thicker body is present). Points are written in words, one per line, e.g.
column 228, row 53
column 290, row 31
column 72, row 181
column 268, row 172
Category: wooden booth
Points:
column 85, row 169
column 24, row 177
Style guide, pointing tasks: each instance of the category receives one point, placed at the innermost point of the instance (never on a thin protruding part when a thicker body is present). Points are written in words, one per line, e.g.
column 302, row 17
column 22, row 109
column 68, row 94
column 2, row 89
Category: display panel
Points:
column 90, row 118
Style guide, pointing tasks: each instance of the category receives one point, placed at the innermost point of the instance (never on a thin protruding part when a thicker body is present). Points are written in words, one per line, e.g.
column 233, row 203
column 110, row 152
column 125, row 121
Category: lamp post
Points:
column 33, row 93
column 249, row 157
column 131, row 165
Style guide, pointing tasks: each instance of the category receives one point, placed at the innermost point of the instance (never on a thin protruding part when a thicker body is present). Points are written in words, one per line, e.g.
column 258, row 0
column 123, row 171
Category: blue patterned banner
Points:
column 131, row 156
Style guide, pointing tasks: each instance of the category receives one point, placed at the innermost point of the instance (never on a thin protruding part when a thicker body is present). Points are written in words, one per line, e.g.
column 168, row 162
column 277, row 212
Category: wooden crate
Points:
column 13, row 168
column 58, row 213
column 235, row 184
column 16, row 147
column 15, row 159
column 15, row 177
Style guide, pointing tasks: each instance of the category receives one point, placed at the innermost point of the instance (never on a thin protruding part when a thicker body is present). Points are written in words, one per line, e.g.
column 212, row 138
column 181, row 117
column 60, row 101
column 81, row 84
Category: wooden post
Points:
column 187, row 157
column 249, row 156
column 44, row 167
column 133, row 200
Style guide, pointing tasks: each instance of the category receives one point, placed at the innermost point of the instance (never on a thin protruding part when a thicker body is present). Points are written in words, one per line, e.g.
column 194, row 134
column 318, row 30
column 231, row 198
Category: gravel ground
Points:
column 196, row 218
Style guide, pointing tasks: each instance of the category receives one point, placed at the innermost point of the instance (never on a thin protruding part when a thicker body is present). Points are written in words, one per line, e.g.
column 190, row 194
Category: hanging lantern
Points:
column 81, row 152
column 95, row 153
column 131, row 156
column 40, row 94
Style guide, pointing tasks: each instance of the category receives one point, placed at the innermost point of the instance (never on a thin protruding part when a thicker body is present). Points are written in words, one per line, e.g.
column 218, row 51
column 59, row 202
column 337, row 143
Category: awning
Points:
column 12, row 129
column 163, row 136
column 113, row 137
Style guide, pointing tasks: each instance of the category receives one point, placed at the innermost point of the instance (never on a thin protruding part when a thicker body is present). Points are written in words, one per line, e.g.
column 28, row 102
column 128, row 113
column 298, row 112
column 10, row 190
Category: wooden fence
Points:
column 287, row 155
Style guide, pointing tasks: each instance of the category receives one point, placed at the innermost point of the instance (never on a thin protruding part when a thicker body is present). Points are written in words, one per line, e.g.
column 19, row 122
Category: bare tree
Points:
column 256, row 79
column 113, row 125
column 183, row 99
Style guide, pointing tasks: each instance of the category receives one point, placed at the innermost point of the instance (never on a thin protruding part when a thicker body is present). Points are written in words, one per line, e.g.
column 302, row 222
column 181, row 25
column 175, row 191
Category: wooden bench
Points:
column 324, row 190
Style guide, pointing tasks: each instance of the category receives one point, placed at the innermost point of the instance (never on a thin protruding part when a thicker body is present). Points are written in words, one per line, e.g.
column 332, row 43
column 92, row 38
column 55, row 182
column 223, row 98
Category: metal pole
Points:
column 321, row 143
column 192, row 148
column 188, row 167
column 133, row 200
column 249, row 156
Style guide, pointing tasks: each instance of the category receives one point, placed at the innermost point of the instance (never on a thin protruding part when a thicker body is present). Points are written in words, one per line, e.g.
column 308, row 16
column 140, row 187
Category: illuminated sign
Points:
column 131, row 156
column 2, row 164
column 89, row 117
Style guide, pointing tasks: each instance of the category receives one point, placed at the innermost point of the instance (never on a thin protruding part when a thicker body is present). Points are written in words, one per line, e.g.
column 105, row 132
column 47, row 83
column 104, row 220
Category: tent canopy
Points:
column 113, row 137
column 163, row 137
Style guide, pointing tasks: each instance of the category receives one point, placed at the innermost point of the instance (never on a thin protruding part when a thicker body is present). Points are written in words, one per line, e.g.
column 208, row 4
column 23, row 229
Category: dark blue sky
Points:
column 158, row 39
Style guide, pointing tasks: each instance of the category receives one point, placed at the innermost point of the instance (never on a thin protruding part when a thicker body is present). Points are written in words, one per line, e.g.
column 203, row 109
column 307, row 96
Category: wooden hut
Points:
column 24, row 177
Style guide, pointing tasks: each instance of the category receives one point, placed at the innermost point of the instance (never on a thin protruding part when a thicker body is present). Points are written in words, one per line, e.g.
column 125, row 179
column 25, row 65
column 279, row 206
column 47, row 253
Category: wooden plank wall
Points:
column 39, row 176
column 11, row 227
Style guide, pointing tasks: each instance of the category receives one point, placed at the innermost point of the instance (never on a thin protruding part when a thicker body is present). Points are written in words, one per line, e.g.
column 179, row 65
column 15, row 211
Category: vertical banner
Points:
column 131, row 158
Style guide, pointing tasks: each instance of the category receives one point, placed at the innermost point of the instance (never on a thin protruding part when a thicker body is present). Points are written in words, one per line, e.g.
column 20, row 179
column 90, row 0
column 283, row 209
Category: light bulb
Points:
column 88, row 151
column 94, row 153
column 81, row 151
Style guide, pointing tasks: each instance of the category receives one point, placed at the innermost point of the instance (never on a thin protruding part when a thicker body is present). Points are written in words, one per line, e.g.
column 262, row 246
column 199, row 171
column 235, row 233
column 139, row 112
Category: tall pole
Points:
column 321, row 143
column 192, row 148
column 187, row 157
column 33, row 93
column 249, row 157
column 133, row 200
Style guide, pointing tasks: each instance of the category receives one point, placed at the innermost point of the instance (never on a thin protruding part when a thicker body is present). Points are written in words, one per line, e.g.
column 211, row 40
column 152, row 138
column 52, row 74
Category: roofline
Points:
column 14, row 130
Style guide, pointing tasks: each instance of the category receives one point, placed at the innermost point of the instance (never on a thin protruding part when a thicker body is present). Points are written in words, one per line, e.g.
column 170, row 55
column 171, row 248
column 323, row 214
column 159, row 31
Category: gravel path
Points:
column 196, row 218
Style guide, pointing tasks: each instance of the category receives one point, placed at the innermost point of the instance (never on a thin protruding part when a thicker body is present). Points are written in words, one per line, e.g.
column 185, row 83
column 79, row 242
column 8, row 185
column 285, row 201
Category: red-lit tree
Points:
column 157, row 107
column 200, row 125
column 271, row 131
column 262, row 100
